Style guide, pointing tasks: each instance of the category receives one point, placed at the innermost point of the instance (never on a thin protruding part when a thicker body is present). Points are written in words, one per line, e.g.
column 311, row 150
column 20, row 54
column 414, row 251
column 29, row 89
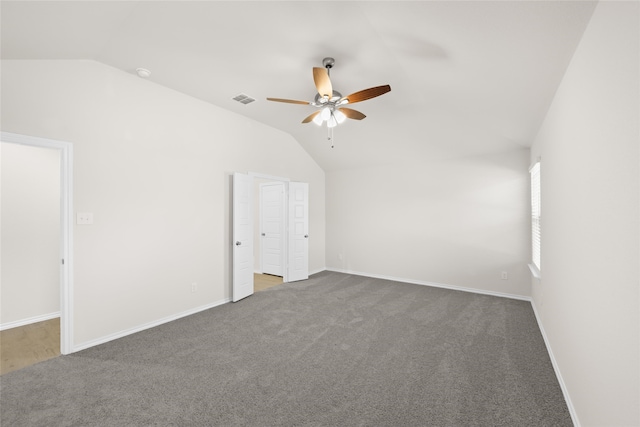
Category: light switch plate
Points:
column 84, row 218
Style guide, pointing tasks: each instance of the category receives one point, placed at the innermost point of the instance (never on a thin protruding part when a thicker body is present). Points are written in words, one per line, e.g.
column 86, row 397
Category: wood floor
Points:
column 29, row 344
column 265, row 281
column 26, row 345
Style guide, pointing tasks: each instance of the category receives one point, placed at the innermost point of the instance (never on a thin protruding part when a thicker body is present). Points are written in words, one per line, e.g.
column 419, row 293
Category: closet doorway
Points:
column 292, row 254
column 61, row 259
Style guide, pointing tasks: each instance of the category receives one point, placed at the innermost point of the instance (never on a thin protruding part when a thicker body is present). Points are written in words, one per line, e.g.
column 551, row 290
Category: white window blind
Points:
column 535, row 214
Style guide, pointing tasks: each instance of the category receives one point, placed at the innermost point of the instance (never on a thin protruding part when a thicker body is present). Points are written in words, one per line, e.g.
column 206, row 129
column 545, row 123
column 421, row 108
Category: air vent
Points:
column 244, row 99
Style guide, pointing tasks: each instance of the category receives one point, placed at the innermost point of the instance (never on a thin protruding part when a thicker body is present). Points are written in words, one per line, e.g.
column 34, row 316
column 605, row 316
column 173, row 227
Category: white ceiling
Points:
column 467, row 78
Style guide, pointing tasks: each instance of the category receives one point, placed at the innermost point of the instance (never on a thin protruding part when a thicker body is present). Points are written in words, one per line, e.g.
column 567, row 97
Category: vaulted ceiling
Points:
column 467, row 78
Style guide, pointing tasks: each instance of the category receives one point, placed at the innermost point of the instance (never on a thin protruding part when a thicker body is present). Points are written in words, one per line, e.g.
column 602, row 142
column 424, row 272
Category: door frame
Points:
column 285, row 249
column 283, row 224
column 66, row 228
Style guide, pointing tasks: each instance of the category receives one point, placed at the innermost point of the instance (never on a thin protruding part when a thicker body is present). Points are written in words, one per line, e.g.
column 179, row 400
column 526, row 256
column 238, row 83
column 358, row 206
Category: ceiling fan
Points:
column 330, row 103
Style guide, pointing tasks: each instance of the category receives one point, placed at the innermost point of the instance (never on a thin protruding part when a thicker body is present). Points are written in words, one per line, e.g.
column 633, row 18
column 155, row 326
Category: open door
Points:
column 298, row 266
column 242, row 237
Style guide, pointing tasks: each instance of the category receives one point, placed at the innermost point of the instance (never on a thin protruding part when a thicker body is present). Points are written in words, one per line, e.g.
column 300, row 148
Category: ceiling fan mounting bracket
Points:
column 328, row 63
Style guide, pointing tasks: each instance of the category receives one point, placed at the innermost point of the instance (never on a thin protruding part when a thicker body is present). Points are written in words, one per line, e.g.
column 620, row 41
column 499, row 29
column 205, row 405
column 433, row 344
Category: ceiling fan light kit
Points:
column 330, row 102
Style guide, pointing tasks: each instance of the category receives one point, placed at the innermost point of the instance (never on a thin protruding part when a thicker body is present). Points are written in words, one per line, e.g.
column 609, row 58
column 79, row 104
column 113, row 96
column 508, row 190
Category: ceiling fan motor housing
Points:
column 319, row 100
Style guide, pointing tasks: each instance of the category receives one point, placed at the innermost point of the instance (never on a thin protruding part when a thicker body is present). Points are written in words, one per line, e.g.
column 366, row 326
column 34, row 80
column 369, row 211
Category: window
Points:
column 535, row 218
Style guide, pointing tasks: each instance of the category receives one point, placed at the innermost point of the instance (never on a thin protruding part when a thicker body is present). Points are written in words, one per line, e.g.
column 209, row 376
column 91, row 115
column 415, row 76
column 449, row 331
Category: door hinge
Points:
column 62, row 261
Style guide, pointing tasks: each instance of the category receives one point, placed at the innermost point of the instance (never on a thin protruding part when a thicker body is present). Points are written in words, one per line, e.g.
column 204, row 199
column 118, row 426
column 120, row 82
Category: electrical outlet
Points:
column 84, row 218
column 505, row 275
column 340, row 257
column 194, row 287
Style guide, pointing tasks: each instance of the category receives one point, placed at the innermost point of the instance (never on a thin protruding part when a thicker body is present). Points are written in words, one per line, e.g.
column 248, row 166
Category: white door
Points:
column 298, row 231
column 242, row 237
column 272, row 228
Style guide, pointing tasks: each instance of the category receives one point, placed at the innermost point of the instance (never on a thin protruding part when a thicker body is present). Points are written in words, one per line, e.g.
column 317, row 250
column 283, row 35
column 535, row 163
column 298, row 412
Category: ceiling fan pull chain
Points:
column 330, row 135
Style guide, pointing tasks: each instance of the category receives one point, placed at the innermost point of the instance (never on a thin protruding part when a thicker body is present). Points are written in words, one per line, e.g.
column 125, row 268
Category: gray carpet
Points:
column 335, row 350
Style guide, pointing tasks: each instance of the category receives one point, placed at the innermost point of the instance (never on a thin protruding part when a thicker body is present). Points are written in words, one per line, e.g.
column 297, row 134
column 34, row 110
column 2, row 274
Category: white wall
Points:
column 457, row 222
column 154, row 167
column 30, row 283
column 588, row 300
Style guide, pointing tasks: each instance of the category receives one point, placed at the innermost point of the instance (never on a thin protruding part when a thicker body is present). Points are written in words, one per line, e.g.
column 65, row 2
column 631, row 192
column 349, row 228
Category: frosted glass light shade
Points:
column 332, row 122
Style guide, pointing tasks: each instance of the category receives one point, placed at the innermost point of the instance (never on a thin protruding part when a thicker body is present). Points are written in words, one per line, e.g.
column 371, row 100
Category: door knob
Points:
column 306, row 236
column 238, row 243
column 263, row 234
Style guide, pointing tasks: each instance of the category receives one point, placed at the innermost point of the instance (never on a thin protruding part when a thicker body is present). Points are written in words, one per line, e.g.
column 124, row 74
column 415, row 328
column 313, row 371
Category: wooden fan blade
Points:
column 311, row 117
column 363, row 95
column 352, row 114
column 290, row 101
column 322, row 81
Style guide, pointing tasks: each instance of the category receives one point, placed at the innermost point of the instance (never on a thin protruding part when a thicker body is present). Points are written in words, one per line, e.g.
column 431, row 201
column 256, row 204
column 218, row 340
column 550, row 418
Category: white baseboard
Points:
column 433, row 284
column 310, row 273
column 320, row 270
column 149, row 325
column 556, row 368
column 29, row 320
